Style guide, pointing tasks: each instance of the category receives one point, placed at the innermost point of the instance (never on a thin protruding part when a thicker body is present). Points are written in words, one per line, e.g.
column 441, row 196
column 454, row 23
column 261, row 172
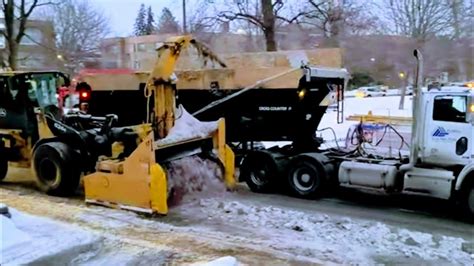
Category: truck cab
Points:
column 441, row 161
column 448, row 121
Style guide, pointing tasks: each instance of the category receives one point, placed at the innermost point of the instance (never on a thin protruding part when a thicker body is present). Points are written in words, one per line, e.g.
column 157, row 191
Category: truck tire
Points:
column 467, row 200
column 259, row 171
column 3, row 164
column 56, row 170
column 306, row 177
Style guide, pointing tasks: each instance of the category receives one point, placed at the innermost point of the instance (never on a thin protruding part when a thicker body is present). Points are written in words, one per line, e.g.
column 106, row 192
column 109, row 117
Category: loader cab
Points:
column 447, row 138
column 24, row 98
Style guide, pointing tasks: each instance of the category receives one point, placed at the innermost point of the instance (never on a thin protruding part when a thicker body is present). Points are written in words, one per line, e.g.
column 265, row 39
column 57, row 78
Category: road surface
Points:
column 270, row 228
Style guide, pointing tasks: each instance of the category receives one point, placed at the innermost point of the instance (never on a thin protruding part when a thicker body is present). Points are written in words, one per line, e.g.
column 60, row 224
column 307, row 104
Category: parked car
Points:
column 373, row 91
column 408, row 90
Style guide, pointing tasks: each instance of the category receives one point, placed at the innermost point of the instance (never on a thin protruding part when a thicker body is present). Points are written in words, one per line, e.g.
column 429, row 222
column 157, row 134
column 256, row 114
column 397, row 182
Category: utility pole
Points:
column 185, row 30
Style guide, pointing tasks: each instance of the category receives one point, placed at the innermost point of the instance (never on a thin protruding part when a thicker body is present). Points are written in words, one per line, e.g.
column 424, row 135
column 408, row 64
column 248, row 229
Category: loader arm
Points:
column 160, row 82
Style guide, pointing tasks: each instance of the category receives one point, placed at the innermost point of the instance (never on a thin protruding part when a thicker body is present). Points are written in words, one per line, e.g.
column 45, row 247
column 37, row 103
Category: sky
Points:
column 122, row 13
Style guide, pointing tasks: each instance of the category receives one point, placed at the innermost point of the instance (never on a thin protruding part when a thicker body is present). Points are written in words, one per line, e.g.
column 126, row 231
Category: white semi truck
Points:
column 440, row 163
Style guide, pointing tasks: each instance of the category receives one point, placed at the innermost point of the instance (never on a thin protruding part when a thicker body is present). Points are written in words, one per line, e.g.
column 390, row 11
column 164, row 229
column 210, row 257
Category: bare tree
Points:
column 334, row 18
column 79, row 28
column 462, row 12
column 16, row 15
column 264, row 14
column 419, row 19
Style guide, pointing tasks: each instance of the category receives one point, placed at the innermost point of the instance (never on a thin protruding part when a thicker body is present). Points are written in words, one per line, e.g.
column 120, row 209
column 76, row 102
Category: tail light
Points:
column 84, row 95
column 84, row 91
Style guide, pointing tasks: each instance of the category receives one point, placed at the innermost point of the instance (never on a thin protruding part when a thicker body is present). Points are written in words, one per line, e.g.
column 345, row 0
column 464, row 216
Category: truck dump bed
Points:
column 275, row 110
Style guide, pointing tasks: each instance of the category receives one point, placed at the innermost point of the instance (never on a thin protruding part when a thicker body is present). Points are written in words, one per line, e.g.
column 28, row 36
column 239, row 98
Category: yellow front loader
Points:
column 140, row 181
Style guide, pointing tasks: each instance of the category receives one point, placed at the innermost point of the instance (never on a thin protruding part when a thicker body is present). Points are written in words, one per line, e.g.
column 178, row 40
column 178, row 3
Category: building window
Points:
column 141, row 47
column 136, row 64
column 114, row 49
column 32, row 37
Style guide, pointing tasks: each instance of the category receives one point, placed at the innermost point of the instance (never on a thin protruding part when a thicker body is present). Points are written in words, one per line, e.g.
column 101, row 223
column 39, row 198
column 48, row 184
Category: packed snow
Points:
column 29, row 239
column 340, row 240
column 224, row 261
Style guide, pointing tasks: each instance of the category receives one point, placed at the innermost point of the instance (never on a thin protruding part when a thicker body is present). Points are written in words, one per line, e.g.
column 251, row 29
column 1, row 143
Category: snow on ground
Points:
column 321, row 238
column 28, row 239
column 224, row 261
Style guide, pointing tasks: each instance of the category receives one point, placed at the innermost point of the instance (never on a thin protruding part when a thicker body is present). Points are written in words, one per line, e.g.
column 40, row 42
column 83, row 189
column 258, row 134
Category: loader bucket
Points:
column 140, row 182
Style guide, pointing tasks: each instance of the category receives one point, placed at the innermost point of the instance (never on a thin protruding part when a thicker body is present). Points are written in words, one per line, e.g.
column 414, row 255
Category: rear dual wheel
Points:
column 260, row 171
column 306, row 177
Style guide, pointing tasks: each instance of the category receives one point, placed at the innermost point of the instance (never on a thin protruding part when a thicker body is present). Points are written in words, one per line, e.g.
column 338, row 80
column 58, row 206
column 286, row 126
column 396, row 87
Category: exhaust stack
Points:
column 415, row 112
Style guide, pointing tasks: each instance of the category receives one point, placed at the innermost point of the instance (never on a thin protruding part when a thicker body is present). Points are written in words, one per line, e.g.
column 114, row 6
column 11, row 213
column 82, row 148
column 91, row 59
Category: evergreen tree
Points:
column 150, row 22
column 167, row 22
column 140, row 23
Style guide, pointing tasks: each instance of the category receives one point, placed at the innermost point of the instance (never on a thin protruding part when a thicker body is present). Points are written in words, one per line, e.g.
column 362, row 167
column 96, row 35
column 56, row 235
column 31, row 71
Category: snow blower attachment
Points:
column 141, row 182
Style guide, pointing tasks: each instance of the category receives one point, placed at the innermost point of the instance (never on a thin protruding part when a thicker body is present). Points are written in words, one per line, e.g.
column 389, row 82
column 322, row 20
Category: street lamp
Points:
column 372, row 59
column 402, row 76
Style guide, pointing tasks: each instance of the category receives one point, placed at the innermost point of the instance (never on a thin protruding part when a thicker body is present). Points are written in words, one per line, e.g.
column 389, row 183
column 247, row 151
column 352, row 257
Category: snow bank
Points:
column 187, row 127
column 11, row 236
column 28, row 239
column 335, row 239
column 224, row 261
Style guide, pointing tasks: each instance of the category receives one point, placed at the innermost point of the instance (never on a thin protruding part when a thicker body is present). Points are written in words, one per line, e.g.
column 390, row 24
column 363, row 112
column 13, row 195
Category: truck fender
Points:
column 465, row 172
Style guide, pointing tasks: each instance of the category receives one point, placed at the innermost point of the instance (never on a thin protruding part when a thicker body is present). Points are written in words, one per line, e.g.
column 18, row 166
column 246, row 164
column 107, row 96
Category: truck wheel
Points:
column 305, row 178
column 3, row 165
column 259, row 171
column 468, row 200
column 56, row 172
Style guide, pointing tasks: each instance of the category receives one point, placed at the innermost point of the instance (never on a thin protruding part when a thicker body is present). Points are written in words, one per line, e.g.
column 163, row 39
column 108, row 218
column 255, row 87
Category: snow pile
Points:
column 11, row 237
column 194, row 174
column 335, row 239
column 27, row 239
column 224, row 261
column 187, row 127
